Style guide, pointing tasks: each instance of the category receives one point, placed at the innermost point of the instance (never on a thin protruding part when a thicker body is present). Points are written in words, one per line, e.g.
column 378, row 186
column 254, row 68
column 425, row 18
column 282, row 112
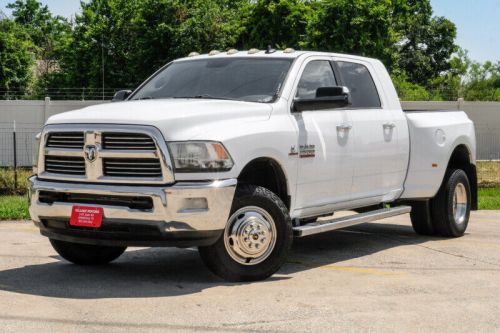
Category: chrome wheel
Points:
column 460, row 203
column 250, row 235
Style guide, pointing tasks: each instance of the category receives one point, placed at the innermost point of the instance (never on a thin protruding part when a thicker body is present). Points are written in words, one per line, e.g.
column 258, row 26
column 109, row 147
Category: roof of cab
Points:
column 262, row 53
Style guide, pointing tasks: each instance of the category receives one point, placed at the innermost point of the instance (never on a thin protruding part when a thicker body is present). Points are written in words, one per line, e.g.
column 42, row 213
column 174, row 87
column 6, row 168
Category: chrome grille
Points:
column 132, row 167
column 104, row 153
column 66, row 140
column 65, row 165
column 130, row 141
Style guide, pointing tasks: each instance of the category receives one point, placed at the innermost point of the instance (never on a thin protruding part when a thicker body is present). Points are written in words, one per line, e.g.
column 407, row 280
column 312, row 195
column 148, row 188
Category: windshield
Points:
column 252, row 80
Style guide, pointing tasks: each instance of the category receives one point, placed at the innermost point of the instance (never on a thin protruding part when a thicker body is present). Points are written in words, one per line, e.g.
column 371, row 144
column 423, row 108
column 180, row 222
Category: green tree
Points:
column 408, row 91
column 131, row 39
column 48, row 33
column 425, row 43
column 362, row 27
column 280, row 23
column 483, row 82
column 16, row 59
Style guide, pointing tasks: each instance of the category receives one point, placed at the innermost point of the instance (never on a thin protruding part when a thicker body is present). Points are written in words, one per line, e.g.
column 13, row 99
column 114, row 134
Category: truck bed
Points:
column 433, row 134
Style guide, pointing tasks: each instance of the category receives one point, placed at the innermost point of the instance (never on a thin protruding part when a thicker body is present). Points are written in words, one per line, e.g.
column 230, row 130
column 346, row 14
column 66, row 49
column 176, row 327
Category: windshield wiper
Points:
column 207, row 96
column 147, row 97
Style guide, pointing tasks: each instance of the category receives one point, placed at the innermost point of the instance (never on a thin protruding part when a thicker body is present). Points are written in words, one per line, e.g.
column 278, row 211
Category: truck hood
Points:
column 177, row 119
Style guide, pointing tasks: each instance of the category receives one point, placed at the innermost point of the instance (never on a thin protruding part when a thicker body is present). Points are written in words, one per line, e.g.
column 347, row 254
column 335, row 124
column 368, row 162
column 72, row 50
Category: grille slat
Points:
column 70, row 166
column 130, row 141
column 152, row 168
column 65, row 165
column 71, row 140
column 132, row 167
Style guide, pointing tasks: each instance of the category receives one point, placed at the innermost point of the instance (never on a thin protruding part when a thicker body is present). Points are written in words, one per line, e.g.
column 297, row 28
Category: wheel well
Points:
column 267, row 173
column 461, row 159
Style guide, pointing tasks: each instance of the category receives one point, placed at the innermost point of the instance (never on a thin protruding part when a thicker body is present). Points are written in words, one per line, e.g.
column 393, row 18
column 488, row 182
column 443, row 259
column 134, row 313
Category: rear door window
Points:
column 358, row 79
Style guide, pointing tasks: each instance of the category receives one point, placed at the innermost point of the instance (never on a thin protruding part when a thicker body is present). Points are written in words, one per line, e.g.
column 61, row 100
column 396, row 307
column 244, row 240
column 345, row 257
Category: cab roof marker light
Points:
column 213, row 52
column 288, row 50
column 232, row 51
column 253, row 51
column 193, row 54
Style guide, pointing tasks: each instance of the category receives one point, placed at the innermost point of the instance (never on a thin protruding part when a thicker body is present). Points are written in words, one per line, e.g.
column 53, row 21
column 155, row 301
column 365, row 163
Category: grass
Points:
column 488, row 173
column 7, row 183
column 489, row 198
column 13, row 207
column 16, row 206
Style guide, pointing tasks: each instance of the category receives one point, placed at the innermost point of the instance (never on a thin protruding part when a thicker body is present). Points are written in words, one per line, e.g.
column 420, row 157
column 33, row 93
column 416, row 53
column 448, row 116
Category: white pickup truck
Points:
column 238, row 152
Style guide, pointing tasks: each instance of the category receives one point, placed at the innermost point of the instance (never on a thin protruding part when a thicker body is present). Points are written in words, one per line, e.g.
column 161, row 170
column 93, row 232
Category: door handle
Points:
column 389, row 125
column 344, row 127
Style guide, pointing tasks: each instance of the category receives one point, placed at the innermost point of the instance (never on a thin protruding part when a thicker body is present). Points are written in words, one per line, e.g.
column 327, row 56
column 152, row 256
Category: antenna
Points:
column 269, row 49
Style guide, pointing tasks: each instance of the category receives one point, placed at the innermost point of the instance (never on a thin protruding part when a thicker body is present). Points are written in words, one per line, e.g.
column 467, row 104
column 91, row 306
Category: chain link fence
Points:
column 17, row 144
column 82, row 94
column 16, row 155
column 488, row 152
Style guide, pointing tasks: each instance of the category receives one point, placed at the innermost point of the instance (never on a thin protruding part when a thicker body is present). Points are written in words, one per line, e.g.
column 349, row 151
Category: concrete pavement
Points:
column 373, row 277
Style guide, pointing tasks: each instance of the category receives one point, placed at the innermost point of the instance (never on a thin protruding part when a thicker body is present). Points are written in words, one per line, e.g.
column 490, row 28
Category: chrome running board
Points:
column 347, row 221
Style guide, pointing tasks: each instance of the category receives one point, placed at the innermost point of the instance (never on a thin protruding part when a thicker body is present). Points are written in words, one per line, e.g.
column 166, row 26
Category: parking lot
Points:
column 372, row 277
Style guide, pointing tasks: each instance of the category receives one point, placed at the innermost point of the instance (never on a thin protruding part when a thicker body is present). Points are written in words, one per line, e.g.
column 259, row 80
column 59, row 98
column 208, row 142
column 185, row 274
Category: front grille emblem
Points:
column 90, row 153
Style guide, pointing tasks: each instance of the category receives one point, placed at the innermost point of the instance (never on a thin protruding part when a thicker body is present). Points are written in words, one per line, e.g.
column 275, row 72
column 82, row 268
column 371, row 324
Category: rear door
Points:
column 375, row 152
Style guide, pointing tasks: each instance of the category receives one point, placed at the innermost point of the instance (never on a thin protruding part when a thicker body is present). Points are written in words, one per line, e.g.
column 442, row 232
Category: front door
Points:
column 324, row 146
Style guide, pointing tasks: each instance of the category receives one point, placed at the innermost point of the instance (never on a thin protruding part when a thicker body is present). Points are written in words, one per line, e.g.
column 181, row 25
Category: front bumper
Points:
column 182, row 214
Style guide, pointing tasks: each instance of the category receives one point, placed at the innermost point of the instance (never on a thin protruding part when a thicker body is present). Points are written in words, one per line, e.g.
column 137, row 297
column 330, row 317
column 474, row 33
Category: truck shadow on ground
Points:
column 163, row 272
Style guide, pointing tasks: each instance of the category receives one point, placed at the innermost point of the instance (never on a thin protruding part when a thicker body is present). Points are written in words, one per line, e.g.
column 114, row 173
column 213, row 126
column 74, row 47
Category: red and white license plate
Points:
column 86, row 216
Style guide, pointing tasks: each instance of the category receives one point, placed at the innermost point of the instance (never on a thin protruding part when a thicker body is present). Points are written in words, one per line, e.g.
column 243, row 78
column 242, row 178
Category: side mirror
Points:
column 326, row 98
column 121, row 95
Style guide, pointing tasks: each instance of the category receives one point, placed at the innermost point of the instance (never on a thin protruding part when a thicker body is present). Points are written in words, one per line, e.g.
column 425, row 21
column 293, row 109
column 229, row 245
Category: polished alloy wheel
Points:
column 250, row 235
column 460, row 203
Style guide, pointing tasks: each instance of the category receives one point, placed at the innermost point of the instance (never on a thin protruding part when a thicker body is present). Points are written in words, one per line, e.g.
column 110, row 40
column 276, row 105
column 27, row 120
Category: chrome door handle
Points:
column 389, row 125
column 344, row 127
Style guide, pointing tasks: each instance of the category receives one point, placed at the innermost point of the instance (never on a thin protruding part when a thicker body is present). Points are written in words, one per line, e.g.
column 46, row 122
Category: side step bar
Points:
column 347, row 221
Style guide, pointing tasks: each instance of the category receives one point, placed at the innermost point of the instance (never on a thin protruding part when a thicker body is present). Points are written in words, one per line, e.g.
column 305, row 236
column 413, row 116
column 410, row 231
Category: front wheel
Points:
column 256, row 240
column 84, row 254
column 451, row 206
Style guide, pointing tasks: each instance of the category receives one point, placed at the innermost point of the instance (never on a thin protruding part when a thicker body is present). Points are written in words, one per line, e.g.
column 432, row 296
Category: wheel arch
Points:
column 268, row 173
column 461, row 158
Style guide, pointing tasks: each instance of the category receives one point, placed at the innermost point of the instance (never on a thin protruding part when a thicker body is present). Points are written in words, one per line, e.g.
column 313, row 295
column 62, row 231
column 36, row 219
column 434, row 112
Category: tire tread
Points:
column 217, row 263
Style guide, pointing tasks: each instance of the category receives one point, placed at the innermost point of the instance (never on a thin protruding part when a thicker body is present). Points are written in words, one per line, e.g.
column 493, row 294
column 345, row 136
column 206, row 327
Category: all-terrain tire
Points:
column 250, row 199
column 84, row 254
column 421, row 218
column 451, row 206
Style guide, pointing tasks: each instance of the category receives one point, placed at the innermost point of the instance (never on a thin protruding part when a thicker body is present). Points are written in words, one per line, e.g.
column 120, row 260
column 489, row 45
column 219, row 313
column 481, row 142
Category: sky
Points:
column 477, row 21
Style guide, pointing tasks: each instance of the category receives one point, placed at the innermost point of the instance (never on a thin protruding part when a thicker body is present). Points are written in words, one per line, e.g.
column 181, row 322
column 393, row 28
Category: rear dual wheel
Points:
column 447, row 214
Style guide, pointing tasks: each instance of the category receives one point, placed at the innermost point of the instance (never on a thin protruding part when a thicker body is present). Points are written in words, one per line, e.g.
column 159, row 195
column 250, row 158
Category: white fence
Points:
column 29, row 117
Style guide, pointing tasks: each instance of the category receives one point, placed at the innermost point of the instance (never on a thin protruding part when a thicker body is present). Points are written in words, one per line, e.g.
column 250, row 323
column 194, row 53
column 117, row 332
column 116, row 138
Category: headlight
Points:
column 196, row 156
column 36, row 151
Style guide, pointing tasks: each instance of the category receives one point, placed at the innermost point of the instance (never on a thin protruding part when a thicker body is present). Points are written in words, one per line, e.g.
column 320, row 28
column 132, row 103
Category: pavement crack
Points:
column 461, row 256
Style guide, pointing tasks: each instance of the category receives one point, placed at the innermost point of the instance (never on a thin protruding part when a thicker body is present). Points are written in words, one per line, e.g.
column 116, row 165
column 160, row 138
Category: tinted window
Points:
column 359, row 81
column 317, row 74
column 255, row 80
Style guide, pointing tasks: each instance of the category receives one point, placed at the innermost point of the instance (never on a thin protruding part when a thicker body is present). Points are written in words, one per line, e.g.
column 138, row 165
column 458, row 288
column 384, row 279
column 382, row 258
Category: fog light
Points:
column 193, row 205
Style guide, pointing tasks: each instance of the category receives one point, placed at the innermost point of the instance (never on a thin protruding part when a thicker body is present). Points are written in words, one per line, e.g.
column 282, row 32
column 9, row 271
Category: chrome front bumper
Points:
column 184, row 208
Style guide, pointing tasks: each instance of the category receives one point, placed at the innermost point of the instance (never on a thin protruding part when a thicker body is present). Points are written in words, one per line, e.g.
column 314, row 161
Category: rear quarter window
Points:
column 358, row 79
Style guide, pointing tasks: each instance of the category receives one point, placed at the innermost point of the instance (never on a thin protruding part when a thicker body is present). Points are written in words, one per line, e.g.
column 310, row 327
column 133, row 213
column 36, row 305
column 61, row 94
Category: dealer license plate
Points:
column 86, row 216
